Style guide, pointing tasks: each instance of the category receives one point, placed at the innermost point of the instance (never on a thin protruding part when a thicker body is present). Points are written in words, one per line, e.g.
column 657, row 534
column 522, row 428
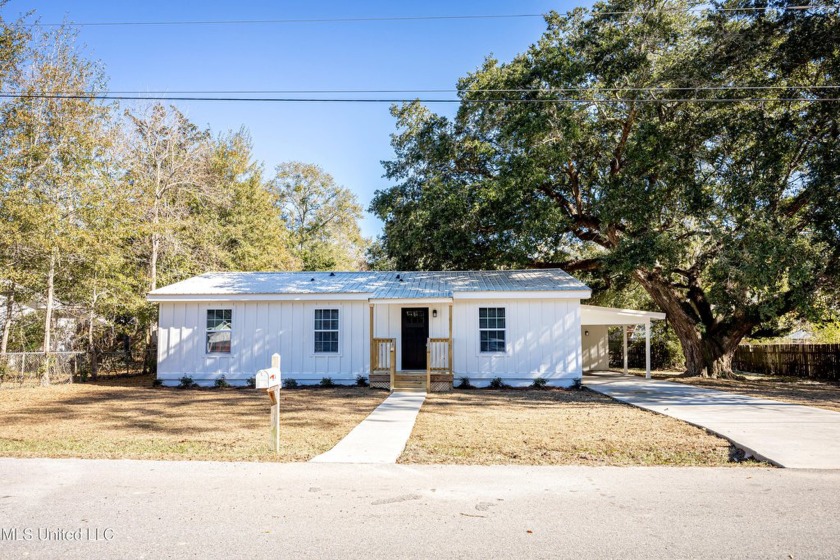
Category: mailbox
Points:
column 268, row 378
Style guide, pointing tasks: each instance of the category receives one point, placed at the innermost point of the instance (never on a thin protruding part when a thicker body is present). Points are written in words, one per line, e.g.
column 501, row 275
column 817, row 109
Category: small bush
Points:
column 362, row 381
column 539, row 383
column 577, row 385
column 290, row 384
column 464, row 383
column 327, row 382
column 157, row 383
column 497, row 383
column 251, row 382
column 187, row 383
column 221, row 383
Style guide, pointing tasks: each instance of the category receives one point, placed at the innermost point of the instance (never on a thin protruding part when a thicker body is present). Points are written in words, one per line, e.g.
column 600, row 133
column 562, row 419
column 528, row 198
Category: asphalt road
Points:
column 145, row 509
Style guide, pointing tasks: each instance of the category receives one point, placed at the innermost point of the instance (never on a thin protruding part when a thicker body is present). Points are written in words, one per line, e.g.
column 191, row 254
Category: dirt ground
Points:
column 128, row 419
column 554, row 427
column 821, row 394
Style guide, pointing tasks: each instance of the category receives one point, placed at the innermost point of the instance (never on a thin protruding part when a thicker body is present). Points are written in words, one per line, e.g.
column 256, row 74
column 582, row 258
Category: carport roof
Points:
column 595, row 315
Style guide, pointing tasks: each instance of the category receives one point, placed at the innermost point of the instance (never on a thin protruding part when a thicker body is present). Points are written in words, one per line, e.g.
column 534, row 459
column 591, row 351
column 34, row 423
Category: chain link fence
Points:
column 27, row 369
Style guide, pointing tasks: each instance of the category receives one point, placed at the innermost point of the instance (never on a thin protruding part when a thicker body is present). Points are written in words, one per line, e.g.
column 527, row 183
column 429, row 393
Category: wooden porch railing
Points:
column 383, row 359
column 438, row 358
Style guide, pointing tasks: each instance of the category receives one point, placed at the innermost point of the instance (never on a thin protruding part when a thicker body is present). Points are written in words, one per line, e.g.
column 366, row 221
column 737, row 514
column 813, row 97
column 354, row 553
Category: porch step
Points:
column 410, row 390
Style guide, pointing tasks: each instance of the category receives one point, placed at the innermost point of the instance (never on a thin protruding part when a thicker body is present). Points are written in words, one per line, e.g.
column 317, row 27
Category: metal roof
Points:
column 595, row 315
column 379, row 285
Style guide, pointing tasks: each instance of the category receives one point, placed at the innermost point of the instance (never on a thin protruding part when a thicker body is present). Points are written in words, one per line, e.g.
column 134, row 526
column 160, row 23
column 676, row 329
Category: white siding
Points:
column 259, row 330
column 387, row 320
column 542, row 338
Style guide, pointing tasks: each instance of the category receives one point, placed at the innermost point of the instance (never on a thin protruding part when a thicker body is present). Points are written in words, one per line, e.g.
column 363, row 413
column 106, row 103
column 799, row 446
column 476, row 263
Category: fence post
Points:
column 428, row 365
column 393, row 364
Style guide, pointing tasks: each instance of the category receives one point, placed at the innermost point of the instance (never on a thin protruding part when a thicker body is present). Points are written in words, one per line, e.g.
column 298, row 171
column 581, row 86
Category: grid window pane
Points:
column 492, row 324
column 492, row 341
column 218, row 332
column 326, row 330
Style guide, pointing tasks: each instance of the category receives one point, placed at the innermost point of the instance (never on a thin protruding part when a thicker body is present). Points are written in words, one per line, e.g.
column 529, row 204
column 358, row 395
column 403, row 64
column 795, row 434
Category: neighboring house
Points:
column 400, row 329
column 65, row 321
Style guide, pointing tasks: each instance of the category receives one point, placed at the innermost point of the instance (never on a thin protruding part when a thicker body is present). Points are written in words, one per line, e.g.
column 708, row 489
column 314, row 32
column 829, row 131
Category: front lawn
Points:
column 128, row 419
column 553, row 427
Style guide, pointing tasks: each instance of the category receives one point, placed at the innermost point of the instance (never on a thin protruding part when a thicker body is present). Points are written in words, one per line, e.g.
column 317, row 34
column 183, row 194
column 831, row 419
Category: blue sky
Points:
column 347, row 140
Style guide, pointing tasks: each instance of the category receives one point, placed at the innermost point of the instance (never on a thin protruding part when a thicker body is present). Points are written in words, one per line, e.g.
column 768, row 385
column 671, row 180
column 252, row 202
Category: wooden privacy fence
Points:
column 815, row 361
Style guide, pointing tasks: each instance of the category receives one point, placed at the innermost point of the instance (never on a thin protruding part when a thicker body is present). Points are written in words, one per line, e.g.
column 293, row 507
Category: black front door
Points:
column 415, row 331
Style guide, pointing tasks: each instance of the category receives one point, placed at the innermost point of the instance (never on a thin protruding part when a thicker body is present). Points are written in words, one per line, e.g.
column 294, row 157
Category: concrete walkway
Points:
column 381, row 437
column 787, row 435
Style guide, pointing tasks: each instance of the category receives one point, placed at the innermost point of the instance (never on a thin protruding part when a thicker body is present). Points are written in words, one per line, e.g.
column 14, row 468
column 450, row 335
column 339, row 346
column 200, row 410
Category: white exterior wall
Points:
column 596, row 348
column 542, row 338
column 261, row 328
column 387, row 320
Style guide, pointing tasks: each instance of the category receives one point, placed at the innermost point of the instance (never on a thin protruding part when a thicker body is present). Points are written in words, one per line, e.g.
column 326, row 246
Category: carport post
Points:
column 647, row 349
column 624, row 337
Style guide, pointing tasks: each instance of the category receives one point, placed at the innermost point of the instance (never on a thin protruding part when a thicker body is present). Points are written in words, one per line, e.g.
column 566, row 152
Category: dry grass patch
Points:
column 553, row 427
column 128, row 419
column 796, row 390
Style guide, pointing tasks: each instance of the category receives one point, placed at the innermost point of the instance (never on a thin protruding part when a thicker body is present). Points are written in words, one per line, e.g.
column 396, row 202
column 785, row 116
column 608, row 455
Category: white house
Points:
column 399, row 329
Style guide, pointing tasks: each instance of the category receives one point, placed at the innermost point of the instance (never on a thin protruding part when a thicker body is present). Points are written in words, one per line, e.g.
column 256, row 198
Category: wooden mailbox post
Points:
column 270, row 380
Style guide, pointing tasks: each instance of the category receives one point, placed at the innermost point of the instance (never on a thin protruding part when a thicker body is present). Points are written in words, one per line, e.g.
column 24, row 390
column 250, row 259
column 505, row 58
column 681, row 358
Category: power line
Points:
column 413, row 18
column 593, row 89
column 409, row 100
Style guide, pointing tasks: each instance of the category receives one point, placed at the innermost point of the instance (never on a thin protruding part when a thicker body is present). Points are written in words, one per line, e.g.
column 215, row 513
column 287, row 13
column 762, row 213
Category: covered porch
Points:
column 593, row 317
column 411, row 344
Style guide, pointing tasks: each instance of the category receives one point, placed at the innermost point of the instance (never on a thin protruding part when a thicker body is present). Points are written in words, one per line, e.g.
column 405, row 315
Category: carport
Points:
column 594, row 344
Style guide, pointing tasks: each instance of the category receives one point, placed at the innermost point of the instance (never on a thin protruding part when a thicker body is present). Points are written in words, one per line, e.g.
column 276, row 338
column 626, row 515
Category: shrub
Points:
column 157, row 383
column 251, row 382
column 497, row 383
column 464, row 383
column 327, row 382
column 290, row 384
column 221, row 383
column 577, row 385
column 187, row 382
column 361, row 381
column 539, row 383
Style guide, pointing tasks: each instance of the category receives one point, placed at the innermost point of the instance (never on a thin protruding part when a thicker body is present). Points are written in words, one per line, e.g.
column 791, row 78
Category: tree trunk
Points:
column 7, row 324
column 45, row 376
column 94, row 366
column 152, row 328
column 706, row 355
column 708, row 352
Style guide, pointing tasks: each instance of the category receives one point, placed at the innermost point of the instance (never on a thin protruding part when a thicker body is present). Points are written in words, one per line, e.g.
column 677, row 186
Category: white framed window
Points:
column 326, row 331
column 492, row 329
column 218, row 331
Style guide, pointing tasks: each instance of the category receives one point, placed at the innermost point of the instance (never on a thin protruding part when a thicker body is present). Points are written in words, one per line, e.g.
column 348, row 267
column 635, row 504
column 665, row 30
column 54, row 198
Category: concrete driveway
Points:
column 147, row 509
column 787, row 435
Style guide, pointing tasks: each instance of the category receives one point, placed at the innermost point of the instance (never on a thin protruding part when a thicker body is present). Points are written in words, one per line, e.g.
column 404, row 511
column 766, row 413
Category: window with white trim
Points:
column 326, row 331
column 219, row 327
column 492, row 329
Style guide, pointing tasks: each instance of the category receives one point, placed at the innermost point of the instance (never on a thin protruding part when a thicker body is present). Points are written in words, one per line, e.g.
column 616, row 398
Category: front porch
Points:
column 413, row 361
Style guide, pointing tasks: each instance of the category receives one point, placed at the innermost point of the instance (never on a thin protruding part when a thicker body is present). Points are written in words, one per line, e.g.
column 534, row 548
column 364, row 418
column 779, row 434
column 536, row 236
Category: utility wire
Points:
column 443, row 90
column 408, row 100
column 416, row 18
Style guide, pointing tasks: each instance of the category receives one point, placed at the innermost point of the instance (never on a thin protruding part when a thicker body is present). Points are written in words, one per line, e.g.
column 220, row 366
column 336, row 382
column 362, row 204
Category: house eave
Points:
column 167, row 298
column 524, row 294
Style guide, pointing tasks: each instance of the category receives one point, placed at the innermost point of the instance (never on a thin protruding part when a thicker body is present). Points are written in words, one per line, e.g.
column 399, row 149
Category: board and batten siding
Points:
column 387, row 320
column 259, row 329
column 543, row 339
